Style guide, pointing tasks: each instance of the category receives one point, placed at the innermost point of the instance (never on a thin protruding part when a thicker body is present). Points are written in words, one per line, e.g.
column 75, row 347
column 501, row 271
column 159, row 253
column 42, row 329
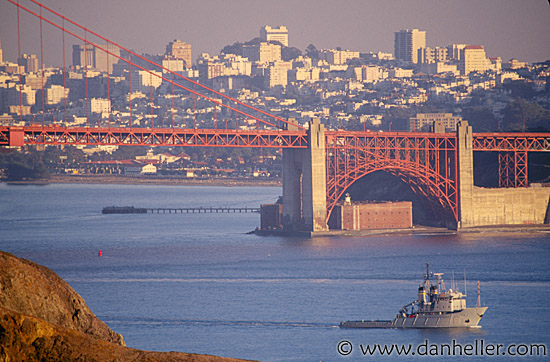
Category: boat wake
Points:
column 212, row 323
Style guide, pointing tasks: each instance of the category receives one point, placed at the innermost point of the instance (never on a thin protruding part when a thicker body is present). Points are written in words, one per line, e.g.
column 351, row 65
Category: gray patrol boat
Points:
column 435, row 307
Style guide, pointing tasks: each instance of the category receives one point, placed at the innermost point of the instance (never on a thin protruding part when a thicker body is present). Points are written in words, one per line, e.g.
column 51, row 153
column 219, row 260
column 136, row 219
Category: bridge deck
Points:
column 59, row 135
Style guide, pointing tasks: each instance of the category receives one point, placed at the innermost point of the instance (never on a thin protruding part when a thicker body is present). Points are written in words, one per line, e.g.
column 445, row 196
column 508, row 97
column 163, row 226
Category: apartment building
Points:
column 92, row 57
column 407, row 42
column 263, row 52
column 338, row 57
column 180, row 50
column 277, row 74
column 432, row 55
column 437, row 122
column 473, row 59
column 280, row 34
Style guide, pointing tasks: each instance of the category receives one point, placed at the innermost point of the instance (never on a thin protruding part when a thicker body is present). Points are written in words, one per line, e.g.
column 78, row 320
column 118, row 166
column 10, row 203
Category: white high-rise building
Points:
column 100, row 105
column 280, row 34
column 54, row 94
column 143, row 80
column 92, row 57
column 423, row 122
column 277, row 74
column 407, row 42
column 180, row 50
column 263, row 53
column 455, row 51
column 174, row 64
column 473, row 59
column 338, row 57
column 433, row 55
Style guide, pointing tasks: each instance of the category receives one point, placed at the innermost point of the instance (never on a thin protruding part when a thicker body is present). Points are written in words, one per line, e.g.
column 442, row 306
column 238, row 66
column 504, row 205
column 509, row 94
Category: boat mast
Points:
column 478, row 295
column 465, row 292
column 427, row 274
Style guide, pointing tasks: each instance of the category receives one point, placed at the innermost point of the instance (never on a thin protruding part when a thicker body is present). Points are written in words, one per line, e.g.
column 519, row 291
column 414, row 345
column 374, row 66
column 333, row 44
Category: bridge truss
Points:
column 427, row 162
column 122, row 136
column 512, row 151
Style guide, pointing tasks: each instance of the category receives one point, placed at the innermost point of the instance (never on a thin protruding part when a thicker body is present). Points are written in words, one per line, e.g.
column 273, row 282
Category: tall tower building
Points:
column 280, row 34
column 30, row 62
column 407, row 42
column 83, row 55
column 473, row 59
column 95, row 58
column 1, row 53
column 455, row 51
column 180, row 50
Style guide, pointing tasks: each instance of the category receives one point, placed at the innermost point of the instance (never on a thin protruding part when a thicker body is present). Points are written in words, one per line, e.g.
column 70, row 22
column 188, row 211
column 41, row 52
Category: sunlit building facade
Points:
column 180, row 50
column 280, row 34
column 407, row 42
column 473, row 59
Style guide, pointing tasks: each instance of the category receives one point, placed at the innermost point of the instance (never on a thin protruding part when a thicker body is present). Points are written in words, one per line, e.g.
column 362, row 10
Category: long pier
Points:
column 193, row 210
column 179, row 210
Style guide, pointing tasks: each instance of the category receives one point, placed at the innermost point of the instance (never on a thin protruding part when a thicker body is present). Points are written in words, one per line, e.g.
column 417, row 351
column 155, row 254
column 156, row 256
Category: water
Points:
column 198, row 283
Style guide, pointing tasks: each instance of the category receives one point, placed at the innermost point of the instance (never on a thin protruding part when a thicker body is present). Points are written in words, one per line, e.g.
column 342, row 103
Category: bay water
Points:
column 199, row 283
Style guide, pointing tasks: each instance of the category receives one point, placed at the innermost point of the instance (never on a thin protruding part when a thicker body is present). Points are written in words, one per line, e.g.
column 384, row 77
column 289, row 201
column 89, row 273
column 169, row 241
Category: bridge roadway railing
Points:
column 121, row 136
column 126, row 136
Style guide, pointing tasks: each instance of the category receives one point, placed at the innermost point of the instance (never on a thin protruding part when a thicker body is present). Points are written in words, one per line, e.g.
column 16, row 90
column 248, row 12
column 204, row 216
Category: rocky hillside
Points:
column 33, row 289
column 43, row 319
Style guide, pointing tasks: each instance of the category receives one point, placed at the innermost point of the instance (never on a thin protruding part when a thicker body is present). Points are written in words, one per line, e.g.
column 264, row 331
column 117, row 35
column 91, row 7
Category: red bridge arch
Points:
column 425, row 162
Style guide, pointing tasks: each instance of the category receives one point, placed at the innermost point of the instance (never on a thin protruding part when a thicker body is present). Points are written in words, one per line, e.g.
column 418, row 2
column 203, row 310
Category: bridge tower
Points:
column 465, row 173
column 304, row 182
column 480, row 206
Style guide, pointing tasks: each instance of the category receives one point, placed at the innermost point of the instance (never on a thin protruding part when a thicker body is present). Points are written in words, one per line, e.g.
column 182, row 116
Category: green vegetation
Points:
column 287, row 53
column 523, row 115
column 20, row 167
column 33, row 164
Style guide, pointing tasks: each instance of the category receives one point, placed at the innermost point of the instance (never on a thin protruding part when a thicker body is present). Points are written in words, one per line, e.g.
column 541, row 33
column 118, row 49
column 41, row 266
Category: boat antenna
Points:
column 465, row 293
column 427, row 273
column 453, row 285
column 478, row 295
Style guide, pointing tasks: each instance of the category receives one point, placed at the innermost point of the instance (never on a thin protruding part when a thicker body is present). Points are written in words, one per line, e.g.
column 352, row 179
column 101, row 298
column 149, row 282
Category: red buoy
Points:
column 100, row 253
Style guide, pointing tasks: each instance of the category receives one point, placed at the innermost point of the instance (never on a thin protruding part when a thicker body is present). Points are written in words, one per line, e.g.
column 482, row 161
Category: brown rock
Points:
column 43, row 319
column 27, row 338
column 33, row 289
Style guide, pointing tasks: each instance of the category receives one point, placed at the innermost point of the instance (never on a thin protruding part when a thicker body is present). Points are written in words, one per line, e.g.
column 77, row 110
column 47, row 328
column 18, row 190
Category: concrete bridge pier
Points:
column 465, row 150
column 494, row 206
column 304, row 183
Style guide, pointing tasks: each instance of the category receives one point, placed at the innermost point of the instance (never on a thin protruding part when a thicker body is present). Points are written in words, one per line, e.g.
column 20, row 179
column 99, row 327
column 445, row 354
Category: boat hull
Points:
column 466, row 318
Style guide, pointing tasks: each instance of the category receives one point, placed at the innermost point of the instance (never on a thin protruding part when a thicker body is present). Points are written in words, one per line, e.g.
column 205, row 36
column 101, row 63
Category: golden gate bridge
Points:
column 428, row 162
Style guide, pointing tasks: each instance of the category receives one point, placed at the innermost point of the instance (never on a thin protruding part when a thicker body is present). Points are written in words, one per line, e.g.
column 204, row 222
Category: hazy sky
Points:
column 507, row 28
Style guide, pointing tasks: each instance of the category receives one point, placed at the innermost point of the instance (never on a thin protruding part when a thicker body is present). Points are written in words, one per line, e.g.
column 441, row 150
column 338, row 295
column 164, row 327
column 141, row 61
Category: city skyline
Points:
column 353, row 25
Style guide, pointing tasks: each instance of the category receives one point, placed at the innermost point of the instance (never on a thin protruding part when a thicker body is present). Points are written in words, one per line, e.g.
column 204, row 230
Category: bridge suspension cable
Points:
column 276, row 122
